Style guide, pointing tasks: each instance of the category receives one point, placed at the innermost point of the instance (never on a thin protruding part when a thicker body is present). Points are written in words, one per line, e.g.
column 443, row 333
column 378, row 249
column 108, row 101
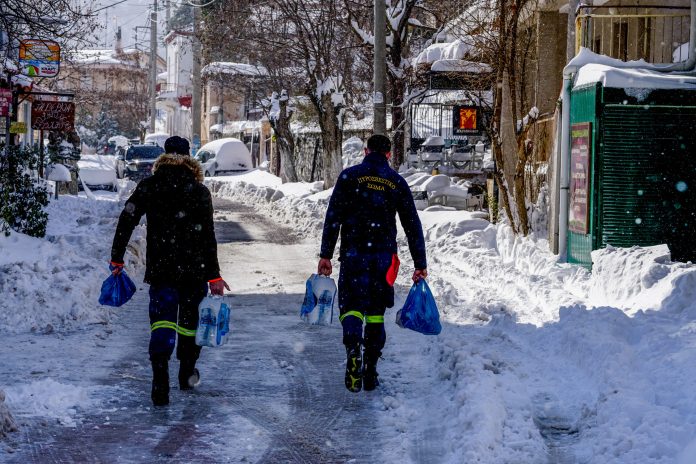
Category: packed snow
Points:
column 538, row 361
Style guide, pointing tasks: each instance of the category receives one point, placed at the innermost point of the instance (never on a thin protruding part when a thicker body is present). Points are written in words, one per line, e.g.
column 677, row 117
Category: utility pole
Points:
column 196, row 82
column 380, row 69
column 153, row 67
column 570, row 44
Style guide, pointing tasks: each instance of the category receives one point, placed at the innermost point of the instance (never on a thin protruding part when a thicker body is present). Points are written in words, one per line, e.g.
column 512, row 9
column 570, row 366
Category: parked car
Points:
column 135, row 162
column 224, row 156
column 97, row 172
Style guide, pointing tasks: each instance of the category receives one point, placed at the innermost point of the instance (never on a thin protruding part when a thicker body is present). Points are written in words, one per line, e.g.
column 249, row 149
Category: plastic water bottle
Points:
column 213, row 321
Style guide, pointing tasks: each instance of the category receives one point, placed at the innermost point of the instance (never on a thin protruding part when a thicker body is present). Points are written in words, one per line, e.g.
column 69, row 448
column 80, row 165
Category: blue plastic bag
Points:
column 117, row 290
column 420, row 311
column 318, row 304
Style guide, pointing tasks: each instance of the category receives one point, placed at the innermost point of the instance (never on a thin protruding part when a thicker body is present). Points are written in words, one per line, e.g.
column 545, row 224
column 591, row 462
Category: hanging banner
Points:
column 5, row 102
column 466, row 120
column 578, row 209
column 53, row 116
column 39, row 58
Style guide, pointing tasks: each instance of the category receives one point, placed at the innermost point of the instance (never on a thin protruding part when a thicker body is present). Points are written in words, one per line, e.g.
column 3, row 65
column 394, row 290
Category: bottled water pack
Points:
column 318, row 304
column 213, row 321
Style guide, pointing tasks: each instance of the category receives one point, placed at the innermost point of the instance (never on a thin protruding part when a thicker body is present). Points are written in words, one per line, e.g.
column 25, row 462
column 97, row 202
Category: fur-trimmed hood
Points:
column 171, row 159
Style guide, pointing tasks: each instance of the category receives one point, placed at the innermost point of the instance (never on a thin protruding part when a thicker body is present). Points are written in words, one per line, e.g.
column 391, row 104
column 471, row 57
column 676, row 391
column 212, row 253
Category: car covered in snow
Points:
column 224, row 156
column 97, row 172
column 135, row 162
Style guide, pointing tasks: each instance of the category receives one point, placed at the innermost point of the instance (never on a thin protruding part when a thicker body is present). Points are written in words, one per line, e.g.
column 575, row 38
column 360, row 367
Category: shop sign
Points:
column 18, row 127
column 39, row 58
column 466, row 120
column 5, row 102
column 53, row 116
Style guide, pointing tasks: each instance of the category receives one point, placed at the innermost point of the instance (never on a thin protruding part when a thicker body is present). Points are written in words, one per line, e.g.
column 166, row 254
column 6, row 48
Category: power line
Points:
column 109, row 6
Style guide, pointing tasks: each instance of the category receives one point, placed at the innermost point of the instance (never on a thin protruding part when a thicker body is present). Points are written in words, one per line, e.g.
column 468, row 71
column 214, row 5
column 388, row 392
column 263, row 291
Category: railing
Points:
column 652, row 32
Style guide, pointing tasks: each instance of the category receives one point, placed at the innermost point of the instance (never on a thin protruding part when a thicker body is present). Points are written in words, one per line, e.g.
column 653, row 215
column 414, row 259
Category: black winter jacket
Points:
column 363, row 207
column 181, row 245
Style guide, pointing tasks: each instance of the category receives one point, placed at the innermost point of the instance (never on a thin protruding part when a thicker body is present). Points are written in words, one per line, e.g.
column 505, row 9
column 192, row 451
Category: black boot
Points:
column 160, row 381
column 189, row 376
column 353, row 369
column 370, row 376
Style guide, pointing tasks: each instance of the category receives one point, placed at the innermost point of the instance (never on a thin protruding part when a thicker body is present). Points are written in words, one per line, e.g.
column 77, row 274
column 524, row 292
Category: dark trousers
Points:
column 174, row 310
column 363, row 296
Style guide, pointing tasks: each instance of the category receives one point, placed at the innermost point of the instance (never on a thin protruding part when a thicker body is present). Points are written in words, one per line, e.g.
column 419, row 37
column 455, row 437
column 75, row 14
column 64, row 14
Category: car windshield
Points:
column 144, row 152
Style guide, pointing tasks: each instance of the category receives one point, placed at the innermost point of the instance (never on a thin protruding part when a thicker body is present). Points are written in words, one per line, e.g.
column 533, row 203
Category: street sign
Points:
column 18, row 127
column 5, row 102
column 53, row 116
column 39, row 58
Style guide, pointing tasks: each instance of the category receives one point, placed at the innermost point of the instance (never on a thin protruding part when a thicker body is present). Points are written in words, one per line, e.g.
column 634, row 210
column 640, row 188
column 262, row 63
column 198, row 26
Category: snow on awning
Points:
column 460, row 66
column 235, row 127
column 217, row 128
column 163, row 76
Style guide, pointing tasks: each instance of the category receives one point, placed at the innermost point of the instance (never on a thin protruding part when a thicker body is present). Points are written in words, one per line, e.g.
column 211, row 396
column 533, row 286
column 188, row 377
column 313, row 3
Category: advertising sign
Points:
column 578, row 210
column 53, row 116
column 466, row 120
column 5, row 102
column 18, row 127
column 39, row 58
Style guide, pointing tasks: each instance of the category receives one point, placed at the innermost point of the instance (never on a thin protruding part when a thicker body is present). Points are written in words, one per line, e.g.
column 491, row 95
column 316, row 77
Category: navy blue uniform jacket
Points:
column 363, row 208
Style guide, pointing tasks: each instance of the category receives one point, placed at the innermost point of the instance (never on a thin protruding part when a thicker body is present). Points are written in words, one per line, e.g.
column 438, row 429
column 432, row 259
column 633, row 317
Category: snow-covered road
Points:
column 273, row 394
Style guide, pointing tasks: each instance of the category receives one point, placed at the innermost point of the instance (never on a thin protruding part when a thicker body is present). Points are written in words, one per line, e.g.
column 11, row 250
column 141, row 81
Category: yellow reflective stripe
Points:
column 173, row 326
column 374, row 319
column 352, row 313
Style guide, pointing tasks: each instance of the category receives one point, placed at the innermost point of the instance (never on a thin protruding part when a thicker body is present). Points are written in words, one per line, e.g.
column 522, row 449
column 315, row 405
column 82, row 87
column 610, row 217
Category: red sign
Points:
column 5, row 102
column 578, row 210
column 466, row 120
column 53, row 116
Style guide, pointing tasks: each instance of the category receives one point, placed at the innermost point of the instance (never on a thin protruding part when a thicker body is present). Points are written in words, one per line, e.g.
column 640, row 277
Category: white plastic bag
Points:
column 213, row 320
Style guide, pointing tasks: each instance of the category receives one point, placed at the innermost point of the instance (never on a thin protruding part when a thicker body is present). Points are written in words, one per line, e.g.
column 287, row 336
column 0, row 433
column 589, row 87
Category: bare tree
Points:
column 304, row 49
column 500, row 34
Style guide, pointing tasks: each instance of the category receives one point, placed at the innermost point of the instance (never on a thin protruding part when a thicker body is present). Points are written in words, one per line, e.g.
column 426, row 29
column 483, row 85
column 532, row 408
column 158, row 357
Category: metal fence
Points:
column 655, row 33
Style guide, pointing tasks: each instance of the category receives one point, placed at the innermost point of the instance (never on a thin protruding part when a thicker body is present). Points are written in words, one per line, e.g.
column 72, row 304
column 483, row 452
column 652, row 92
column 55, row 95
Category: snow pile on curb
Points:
column 48, row 398
column 54, row 283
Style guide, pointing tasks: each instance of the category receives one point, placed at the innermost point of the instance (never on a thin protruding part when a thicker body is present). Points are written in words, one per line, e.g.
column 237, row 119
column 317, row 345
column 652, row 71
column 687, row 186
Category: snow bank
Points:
column 53, row 283
column 48, row 398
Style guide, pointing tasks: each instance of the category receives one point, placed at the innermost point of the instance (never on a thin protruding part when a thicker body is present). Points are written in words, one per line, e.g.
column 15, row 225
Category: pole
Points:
column 196, row 82
column 380, row 52
column 570, row 43
column 153, row 67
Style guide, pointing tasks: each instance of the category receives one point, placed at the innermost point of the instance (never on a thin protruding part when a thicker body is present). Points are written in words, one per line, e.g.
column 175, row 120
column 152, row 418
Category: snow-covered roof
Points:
column 611, row 72
column 104, row 57
column 234, row 69
column 456, row 50
column 235, row 127
column 163, row 76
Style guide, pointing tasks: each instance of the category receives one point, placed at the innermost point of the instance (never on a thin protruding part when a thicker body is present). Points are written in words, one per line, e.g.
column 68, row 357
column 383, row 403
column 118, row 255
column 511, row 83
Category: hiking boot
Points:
column 370, row 375
column 160, row 382
column 189, row 376
column 353, row 369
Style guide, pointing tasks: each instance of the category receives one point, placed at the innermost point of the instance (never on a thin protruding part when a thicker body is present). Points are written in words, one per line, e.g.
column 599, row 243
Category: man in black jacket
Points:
column 181, row 261
column 363, row 208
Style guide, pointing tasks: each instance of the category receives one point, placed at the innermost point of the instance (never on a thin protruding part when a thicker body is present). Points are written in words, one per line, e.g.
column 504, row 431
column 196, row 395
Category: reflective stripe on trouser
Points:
column 169, row 303
column 374, row 334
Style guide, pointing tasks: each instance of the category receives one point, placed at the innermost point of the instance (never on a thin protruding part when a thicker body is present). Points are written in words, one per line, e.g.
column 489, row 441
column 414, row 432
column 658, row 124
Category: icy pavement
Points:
column 273, row 394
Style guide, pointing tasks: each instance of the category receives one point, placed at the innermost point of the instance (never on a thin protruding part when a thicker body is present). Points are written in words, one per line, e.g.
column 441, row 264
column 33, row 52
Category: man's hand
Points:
column 324, row 267
column 218, row 286
column 115, row 268
column 420, row 274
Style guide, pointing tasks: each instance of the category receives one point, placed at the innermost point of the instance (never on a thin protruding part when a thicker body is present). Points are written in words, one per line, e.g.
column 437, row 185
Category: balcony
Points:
column 656, row 34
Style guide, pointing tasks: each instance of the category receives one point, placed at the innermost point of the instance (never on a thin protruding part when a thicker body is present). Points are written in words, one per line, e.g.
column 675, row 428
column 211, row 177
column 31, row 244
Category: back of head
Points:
column 177, row 145
column 379, row 144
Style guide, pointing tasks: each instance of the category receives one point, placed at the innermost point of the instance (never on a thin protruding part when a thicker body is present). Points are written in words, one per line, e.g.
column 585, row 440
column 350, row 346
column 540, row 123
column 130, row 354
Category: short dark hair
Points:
column 379, row 144
column 178, row 145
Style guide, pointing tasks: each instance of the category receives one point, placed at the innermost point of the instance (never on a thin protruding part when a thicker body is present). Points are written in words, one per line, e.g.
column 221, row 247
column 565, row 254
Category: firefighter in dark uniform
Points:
column 181, row 259
column 363, row 208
